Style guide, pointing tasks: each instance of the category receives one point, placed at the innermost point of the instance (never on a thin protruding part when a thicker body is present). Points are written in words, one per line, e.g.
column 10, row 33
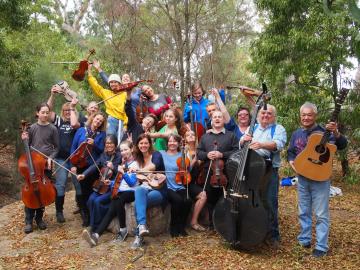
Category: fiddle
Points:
column 218, row 177
column 68, row 93
column 100, row 186
column 79, row 157
column 154, row 180
column 141, row 109
column 130, row 85
column 183, row 175
column 117, row 182
column 79, row 74
column 38, row 191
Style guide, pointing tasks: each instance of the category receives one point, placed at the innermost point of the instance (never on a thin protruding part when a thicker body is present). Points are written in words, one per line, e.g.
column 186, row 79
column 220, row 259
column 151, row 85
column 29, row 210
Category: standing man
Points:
column 313, row 195
column 268, row 140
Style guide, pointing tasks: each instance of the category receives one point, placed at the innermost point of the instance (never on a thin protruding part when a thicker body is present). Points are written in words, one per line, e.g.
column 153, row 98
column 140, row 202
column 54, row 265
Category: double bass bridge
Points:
column 239, row 196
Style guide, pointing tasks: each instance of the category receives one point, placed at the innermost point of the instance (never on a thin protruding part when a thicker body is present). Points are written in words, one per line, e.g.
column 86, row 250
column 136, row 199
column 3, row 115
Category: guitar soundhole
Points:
column 321, row 149
column 325, row 156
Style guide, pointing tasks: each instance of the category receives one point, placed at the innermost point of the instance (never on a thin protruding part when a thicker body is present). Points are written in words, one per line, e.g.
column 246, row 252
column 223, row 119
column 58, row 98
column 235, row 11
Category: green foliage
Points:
column 352, row 176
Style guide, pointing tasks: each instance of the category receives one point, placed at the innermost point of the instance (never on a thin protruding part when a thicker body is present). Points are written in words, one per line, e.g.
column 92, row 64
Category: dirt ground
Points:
column 61, row 245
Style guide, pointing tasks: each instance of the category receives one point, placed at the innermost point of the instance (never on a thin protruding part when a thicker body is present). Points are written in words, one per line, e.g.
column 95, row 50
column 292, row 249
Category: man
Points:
column 268, row 140
column 243, row 117
column 313, row 195
column 115, row 106
column 226, row 145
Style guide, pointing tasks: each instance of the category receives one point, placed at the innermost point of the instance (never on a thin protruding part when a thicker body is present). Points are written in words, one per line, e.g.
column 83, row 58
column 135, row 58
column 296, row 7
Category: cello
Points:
column 240, row 216
column 197, row 127
column 38, row 191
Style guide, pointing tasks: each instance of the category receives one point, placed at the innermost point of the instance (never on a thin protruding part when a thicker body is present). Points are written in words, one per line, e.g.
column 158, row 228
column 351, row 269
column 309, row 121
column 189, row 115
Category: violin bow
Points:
column 57, row 163
column 207, row 175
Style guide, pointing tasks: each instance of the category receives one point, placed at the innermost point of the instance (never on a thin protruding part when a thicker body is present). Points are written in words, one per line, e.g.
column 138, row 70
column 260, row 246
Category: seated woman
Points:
column 125, row 195
column 145, row 195
column 178, row 195
column 172, row 126
column 98, row 202
column 196, row 192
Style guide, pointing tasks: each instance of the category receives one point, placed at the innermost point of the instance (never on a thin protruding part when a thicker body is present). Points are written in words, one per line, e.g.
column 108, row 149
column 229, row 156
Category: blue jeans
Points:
column 115, row 127
column 272, row 196
column 146, row 198
column 314, row 195
column 61, row 176
column 98, row 205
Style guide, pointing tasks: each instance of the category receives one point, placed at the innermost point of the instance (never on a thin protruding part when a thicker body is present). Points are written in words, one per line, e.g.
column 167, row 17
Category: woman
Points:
column 125, row 195
column 98, row 202
column 44, row 137
column 156, row 103
column 196, row 192
column 145, row 195
column 196, row 106
column 93, row 134
column 67, row 123
column 172, row 126
column 177, row 193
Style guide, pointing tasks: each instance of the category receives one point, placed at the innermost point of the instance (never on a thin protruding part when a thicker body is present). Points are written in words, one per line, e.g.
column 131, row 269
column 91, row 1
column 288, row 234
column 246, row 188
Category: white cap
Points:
column 114, row 77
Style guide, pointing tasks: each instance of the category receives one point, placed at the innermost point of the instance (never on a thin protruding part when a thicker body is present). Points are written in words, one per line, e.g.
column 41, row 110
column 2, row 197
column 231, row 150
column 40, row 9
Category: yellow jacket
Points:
column 115, row 107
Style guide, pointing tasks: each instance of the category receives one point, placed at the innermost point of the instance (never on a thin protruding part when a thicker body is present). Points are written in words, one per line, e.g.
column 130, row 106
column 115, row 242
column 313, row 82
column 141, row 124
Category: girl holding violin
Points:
column 145, row 195
column 172, row 126
column 43, row 137
column 195, row 109
column 177, row 191
column 107, row 163
column 87, row 146
column 67, row 123
column 124, row 194
column 195, row 191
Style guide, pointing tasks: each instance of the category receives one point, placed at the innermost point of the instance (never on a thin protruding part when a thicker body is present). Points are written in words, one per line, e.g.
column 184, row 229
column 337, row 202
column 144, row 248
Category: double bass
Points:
column 38, row 191
column 240, row 216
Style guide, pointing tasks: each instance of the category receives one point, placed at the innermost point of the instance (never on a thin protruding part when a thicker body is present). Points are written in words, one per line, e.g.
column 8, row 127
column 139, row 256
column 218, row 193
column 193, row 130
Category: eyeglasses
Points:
column 68, row 110
column 243, row 114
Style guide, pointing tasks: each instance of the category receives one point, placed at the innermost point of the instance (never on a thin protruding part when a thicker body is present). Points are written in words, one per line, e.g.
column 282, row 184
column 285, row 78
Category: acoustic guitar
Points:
column 315, row 161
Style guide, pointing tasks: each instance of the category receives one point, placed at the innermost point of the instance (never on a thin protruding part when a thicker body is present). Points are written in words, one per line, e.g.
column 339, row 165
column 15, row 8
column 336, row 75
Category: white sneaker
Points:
column 91, row 238
column 138, row 242
column 143, row 230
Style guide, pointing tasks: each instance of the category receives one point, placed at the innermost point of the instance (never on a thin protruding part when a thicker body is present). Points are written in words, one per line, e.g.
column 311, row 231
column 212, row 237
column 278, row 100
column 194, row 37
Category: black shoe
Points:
column 28, row 228
column 41, row 224
column 85, row 218
column 318, row 253
column 305, row 245
column 60, row 217
column 183, row 233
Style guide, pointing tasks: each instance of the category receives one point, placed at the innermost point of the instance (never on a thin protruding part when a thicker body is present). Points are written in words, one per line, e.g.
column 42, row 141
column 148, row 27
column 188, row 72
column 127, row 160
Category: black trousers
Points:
column 31, row 213
column 117, row 208
column 180, row 208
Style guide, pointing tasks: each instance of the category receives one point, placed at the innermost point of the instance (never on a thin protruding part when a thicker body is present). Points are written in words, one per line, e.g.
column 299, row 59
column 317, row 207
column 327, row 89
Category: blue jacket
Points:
column 198, row 110
column 300, row 137
column 98, row 147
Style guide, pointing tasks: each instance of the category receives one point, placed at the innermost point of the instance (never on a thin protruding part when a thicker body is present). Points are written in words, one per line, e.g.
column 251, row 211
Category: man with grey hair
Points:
column 268, row 140
column 313, row 195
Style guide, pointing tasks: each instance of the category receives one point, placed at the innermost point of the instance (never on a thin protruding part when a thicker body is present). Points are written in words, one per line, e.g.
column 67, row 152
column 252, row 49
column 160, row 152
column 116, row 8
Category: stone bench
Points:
column 157, row 220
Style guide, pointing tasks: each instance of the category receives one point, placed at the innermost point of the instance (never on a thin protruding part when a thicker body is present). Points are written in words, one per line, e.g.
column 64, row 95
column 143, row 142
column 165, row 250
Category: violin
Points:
column 79, row 74
column 100, row 185
column 117, row 182
column 79, row 157
column 68, row 93
column 130, row 85
column 218, row 177
column 197, row 127
column 155, row 180
column 38, row 191
column 183, row 175
column 141, row 109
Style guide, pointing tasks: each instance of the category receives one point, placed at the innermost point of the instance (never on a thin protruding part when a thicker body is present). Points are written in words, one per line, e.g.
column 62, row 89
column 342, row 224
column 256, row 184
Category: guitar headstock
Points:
column 342, row 95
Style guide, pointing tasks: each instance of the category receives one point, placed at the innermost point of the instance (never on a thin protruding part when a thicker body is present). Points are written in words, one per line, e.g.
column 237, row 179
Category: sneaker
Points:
column 143, row 230
column 138, row 242
column 91, row 238
column 318, row 253
column 28, row 228
column 60, row 217
column 121, row 236
column 41, row 224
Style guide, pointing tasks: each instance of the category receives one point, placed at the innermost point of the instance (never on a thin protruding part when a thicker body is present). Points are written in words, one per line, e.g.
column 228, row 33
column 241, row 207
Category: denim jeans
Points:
column 272, row 196
column 98, row 205
column 314, row 196
column 146, row 198
column 115, row 127
column 61, row 178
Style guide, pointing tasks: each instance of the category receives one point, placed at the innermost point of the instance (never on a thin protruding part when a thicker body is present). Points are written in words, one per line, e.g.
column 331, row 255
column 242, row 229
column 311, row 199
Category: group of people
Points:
column 124, row 158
